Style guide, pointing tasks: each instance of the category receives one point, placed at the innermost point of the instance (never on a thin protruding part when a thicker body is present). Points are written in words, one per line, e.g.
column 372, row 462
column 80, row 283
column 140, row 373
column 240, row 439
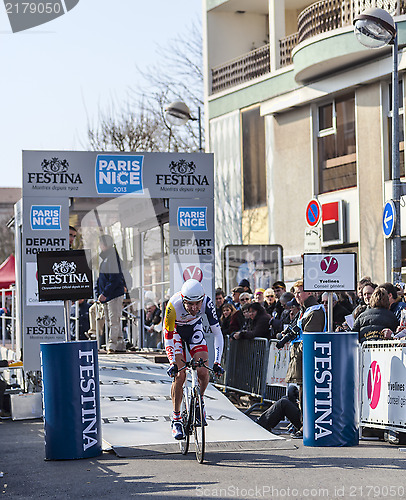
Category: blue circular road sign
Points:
column 388, row 218
column 313, row 213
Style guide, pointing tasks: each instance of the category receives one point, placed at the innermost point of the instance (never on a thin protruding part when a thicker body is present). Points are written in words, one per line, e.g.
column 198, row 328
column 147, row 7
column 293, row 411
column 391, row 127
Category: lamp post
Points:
column 375, row 28
column 177, row 113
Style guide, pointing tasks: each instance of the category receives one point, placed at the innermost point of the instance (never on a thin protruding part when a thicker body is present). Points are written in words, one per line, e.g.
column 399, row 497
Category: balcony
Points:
column 240, row 70
column 320, row 17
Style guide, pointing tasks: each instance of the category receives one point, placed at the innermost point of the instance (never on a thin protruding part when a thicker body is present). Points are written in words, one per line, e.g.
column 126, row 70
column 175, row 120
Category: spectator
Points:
column 240, row 320
column 366, row 292
column 6, row 312
column 235, row 294
column 360, row 286
column 377, row 322
column 152, row 324
column 278, row 323
column 347, row 300
column 110, row 291
column 259, row 296
column 270, row 300
column 259, row 323
column 286, row 407
column 396, row 303
column 245, row 298
column 246, row 285
column 339, row 311
column 84, row 322
column 279, row 288
column 312, row 318
column 227, row 312
column 96, row 321
column 72, row 235
column 220, row 299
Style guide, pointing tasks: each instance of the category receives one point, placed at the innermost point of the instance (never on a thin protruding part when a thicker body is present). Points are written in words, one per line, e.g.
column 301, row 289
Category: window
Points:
column 336, row 144
column 401, row 131
column 253, row 158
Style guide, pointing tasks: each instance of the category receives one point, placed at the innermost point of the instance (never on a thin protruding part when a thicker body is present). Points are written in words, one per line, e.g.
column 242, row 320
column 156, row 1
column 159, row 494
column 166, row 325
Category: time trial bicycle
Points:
column 192, row 410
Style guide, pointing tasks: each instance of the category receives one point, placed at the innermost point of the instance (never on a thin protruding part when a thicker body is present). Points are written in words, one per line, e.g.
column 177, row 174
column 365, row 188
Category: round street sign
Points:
column 313, row 213
column 388, row 218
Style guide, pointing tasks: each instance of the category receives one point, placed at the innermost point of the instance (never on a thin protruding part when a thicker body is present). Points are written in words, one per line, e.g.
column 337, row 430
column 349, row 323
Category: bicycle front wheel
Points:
column 186, row 421
column 199, row 430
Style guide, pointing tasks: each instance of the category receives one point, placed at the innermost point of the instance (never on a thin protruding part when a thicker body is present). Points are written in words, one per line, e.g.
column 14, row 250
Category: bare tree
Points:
column 6, row 239
column 177, row 76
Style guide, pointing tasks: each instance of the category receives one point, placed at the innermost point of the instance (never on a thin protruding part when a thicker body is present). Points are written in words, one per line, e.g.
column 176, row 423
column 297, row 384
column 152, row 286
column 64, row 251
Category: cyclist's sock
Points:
column 176, row 416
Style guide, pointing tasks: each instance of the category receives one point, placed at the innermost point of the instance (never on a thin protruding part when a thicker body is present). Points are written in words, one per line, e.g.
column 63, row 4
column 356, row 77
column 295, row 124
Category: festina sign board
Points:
column 64, row 275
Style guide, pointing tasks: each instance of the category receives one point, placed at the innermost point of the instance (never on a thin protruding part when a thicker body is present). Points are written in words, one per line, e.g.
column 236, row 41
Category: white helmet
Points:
column 192, row 291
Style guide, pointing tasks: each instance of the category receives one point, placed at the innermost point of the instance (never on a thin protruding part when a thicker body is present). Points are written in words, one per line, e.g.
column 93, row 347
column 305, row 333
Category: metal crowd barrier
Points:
column 254, row 367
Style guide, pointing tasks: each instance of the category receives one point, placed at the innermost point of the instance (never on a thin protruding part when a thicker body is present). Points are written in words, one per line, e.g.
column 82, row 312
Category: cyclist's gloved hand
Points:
column 172, row 370
column 218, row 370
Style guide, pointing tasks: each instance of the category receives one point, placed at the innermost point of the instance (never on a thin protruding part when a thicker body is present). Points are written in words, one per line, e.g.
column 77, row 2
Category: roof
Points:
column 10, row 195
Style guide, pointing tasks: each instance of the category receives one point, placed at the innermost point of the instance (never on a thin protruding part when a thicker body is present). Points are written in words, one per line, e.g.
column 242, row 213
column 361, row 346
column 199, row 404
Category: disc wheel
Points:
column 199, row 430
column 186, row 418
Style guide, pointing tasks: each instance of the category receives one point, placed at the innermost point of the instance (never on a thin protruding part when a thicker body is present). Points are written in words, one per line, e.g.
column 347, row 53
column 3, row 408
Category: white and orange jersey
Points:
column 177, row 319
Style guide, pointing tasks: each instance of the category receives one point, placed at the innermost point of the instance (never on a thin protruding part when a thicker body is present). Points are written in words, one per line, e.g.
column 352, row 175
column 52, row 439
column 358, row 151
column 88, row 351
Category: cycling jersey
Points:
column 189, row 328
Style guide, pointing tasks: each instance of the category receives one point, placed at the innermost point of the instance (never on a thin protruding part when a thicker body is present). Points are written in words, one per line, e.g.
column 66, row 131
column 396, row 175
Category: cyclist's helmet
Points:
column 192, row 291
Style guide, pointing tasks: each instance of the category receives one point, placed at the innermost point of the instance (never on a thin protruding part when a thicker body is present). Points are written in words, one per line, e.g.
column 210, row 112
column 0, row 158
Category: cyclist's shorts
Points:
column 190, row 335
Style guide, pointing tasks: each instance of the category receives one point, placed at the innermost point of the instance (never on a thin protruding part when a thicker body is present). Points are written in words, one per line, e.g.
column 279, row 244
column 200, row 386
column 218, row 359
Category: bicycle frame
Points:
column 191, row 401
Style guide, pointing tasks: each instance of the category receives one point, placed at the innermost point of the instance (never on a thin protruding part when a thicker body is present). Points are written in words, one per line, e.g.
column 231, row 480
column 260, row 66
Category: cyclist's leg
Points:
column 179, row 380
column 198, row 350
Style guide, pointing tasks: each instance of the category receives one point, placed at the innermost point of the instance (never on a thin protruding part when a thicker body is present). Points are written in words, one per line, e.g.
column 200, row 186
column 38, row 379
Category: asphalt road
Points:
column 291, row 471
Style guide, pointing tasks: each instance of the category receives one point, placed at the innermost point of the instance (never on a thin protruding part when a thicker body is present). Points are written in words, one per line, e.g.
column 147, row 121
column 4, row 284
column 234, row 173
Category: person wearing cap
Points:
column 279, row 288
column 235, row 296
column 259, row 296
column 279, row 323
column 246, row 285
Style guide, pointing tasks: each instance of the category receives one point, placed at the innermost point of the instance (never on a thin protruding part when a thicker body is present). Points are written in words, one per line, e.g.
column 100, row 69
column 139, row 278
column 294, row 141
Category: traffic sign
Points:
column 313, row 213
column 388, row 218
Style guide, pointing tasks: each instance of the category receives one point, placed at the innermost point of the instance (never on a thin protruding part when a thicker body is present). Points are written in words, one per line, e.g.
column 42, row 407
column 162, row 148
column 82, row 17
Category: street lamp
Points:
column 177, row 113
column 375, row 28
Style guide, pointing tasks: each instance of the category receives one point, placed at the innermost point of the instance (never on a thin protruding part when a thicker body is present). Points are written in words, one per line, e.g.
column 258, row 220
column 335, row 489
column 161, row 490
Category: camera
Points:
column 290, row 333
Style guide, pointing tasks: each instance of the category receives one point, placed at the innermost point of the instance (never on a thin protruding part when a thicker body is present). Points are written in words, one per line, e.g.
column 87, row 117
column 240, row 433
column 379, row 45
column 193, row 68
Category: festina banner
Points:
column 383, row 402
column 64, row 275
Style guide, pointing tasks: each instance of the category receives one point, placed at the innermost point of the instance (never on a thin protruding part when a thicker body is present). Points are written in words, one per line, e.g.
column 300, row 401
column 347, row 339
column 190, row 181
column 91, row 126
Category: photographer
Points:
column 286, row 407
column 312, row 318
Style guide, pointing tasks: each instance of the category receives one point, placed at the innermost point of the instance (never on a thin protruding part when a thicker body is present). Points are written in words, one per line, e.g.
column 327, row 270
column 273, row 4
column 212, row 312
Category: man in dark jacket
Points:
column 396, row 303
column 110, row 292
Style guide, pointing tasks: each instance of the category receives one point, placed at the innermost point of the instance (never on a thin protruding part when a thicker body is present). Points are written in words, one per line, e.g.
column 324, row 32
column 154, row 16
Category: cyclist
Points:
column 183, row 325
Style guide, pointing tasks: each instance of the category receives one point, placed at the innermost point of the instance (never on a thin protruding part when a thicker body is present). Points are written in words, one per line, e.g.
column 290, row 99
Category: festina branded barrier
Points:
column 330, row 384
column 70, row 374
column 383, row 396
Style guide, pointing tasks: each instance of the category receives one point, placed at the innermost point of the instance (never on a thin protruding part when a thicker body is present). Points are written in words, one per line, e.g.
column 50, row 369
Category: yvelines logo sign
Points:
column 54, row 171
column 24, row 14
column 116, row 174
column 182, row 173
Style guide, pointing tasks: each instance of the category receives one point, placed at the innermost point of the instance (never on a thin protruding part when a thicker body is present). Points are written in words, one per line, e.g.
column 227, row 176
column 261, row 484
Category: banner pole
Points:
column 66, row 310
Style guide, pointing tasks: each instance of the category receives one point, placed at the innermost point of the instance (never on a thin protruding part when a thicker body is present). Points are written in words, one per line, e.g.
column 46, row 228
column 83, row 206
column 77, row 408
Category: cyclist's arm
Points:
column 169, row 328
column 215, row 328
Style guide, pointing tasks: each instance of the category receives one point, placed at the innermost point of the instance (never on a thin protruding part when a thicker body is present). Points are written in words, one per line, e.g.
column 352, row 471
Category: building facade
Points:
column 297, row 109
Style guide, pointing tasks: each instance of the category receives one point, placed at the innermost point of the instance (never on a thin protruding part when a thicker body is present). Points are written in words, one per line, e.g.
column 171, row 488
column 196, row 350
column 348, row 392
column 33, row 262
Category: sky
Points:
column 55, row 78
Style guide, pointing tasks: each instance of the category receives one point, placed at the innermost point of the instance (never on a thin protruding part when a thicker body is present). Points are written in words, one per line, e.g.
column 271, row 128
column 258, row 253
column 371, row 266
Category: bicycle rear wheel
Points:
column 199, row 430
column 186, row 421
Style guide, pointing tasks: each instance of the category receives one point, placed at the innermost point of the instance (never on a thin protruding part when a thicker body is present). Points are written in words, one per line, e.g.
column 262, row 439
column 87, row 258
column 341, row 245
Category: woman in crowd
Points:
column 227, row 312
column 259, row 323
column 377, row 322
